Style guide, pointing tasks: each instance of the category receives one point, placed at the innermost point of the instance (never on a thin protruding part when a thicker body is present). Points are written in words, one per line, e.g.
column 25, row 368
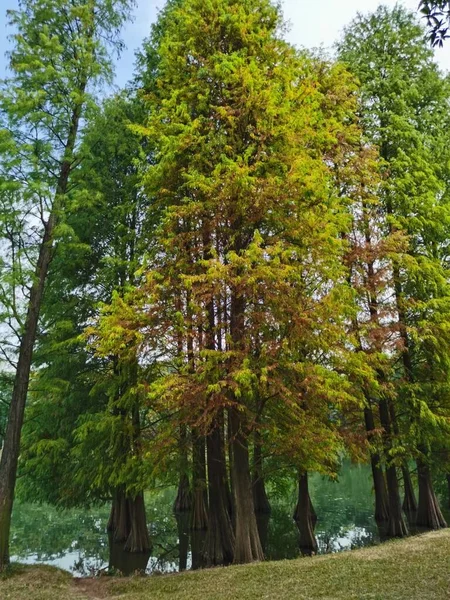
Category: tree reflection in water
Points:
column 76, row 539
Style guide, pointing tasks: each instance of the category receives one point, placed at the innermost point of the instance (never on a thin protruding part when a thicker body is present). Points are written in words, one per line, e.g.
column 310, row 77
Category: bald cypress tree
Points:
column 249, row 273
column 405, row 113
column 59, row 52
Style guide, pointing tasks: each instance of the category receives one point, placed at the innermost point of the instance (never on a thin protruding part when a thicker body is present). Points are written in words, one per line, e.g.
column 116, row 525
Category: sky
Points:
column 312, row 24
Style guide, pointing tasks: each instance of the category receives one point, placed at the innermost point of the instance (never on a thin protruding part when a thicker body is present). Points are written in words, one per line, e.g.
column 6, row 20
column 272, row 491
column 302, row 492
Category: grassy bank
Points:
column 410, row 569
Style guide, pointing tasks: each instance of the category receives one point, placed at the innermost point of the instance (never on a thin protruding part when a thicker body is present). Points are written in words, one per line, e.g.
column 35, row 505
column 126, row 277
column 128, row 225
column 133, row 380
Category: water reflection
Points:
column 76, row 540
column 126, row 563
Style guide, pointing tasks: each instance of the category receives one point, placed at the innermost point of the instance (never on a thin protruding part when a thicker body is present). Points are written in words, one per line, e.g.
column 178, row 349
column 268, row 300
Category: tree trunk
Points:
column 247, row 546
column 183, row 501
column 409, row 501
column 230, row 469
column 219, row 544
column 303, row 518
column 396, row 526
column 223, row 452
column 138, row 539
column 429, row 515
column 298, row 508
column 183, row 539
column 379, row 484
column 198, row 537
column 199, row 516
column 128, row 522
column 260, row 499
column 118, row 523
column 448, row 487
column 11, row 448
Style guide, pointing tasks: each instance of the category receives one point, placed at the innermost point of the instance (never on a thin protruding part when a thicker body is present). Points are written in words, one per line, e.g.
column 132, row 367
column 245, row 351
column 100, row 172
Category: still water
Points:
column 76, row 540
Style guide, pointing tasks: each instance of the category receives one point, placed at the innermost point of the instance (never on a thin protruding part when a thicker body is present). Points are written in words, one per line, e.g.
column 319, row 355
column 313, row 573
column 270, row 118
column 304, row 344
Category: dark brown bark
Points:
column 183, row 500
column 138, row 539
column 260, row 499
column 119, row 523
column 448, row 488
column 198, row 537
column 247, row 543
column 199, row 515
column 128, row 523
column 183, row 521
column 429, row 515
column 230, row 468
column 312, row 512
column 223, row 449
column 11, row 446
column 219, row 544
column 262, row 520
column 303, row 518
column 409, row 500
column 379, row 484
column 396, row 525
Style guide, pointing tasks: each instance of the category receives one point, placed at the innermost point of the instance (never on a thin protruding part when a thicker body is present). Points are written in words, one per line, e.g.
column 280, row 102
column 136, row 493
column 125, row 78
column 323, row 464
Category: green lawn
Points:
column 414, row 569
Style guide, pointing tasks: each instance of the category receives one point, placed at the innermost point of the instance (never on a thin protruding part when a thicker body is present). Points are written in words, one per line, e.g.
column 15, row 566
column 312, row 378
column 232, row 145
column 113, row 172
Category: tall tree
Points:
column 94, row 403
column 249, row 265
column 60, row 51
column 405, row 111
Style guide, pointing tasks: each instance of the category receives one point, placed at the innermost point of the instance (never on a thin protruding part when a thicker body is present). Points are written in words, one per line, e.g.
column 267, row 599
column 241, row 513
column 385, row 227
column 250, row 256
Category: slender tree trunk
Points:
column 409, row 501
column 230, row 468
column 448, row 488
column 260, row 499
column 304, row 519
column 183, row 500
column 429, row 514
column 379, row 484
column 219, row 545
column 183, row 539
column 396, row 526
column 199, row 516
column 11, row 447
column 223, row 450
column 248, row 546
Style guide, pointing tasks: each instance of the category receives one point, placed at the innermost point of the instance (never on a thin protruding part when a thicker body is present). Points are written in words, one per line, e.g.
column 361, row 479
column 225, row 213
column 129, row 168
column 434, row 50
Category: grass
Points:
column 411, row 569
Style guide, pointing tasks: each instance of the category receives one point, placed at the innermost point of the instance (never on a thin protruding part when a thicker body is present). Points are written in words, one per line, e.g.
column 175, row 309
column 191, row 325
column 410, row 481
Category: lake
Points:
column 76, row 540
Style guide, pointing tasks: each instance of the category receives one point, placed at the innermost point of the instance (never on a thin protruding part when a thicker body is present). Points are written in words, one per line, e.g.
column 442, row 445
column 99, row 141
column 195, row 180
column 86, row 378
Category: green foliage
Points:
column 437, row 14
column 73, row 435
column 247, row 134
column 403, row 104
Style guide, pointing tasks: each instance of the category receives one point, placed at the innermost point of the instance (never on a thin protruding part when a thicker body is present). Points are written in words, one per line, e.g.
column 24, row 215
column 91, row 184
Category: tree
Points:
column 59, row 53
column 245, row 296
column 405, row 114
column 93, row 404
column 437, row 14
